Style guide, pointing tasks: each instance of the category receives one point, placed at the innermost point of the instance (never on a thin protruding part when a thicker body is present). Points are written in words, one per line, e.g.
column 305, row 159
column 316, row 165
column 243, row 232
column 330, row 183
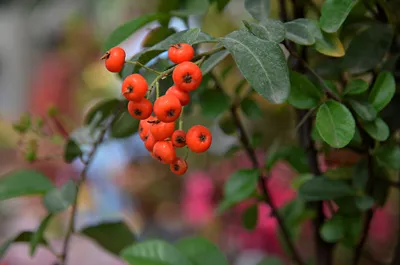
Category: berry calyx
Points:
column 167, row 108
column 144, row 126
column 178, row 138
column 162, row 130
column 149, row 142
column 134, row 87
column 179, row 166
column 164, row 152
column 180, row 53
column 140, row 109
column 183, row 96
column 187, row 76
column 114, row 59
column 198, row 139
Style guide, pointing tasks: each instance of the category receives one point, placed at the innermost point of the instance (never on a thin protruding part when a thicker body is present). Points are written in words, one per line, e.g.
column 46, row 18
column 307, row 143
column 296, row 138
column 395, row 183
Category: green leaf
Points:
column 192, row 7
column 368, row 48
column 353, row 228
column 201, row 251
column 212, row 61
column 101, row 111
column 262, row 63
column 329, row 44
column 303, row 93
column 126, row 30
column 363, row 108
column 38, row 237
column 335, row 124
column 299, row 180
column 334, row 13
column 221, row 4
column 333, row 230
column 214, row 102
column 124, row 126
column 250, row 217
column 339, row 173
column 112, row 236
column 323, row 188
column 383, row 90
column 355, row 87
column 299, row 31
column 71, row 151
column 295, row 156
column 23, row 183
column 377, row 129
column 251, row 108
column 241, row 185
column 360, row 175
column 267, row 29
column 364, row 202
column 259, row 9
column 388, row 155
column 227, row 124
column 156, row 35
column 22, row 237
column 58, row 200
column 270, row 261
column 154, row 252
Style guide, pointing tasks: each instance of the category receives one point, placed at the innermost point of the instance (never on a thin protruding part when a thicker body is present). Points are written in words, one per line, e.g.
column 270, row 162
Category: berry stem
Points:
column 157, row 89
column 181, row 119
column 144, row 66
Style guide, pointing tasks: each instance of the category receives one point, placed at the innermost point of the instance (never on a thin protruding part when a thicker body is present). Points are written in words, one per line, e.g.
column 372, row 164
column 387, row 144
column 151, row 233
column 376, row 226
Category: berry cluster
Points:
column 157, row 121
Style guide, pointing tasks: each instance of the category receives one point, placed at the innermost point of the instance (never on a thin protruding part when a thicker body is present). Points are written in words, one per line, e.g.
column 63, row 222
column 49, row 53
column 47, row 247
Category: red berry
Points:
column 161, row 130
column 180, row 53
column 114, row 59
column 167, row 108
column 164, row 152
column 198, row 139
column 149, row 142
column 179, row 166
column 134, row 87
column 187, row 76
column 178, row 138
column 140, row 109
column 144, row 126
column 183, row 96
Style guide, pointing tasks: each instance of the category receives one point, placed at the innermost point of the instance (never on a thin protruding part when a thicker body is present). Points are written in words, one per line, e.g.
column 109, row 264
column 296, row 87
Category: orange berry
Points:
column 180, row 53
column 114, row 59
column 198, row 139
column 187, row 76
column 178, row 138
column 144, row 126
column 183, row 96
column 167, row 108
column 134, row 87
column 164, row 152
column 140, row 109
column 149, row 142
column 162, row 130
column 179, row 166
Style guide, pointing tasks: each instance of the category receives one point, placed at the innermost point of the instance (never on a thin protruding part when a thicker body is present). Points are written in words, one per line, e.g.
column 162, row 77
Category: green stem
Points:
column 144, row 66
column 157, row 90
column 181, row 120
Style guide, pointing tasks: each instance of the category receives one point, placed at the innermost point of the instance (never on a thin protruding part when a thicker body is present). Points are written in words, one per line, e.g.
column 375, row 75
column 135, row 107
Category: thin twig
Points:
column 309, row 69
column 72, row 220
column 262, row 180
column 144, row 66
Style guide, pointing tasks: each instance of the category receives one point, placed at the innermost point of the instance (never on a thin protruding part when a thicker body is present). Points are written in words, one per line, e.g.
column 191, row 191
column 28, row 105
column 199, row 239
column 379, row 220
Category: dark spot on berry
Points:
column 202, row 137
column 146, row 137
column 171, row 113
column 140, row 129
column 159, row 158
column 176, row 167
column 180, row 139
column 137, row 112
column 129, row 89
column 187, row 78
